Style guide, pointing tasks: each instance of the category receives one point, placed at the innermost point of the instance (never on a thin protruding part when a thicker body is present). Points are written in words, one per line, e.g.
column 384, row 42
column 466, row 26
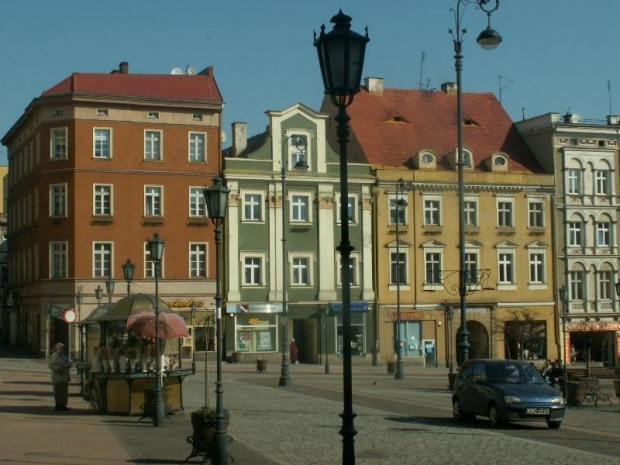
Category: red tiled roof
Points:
column 158, row 86
column 397, row 124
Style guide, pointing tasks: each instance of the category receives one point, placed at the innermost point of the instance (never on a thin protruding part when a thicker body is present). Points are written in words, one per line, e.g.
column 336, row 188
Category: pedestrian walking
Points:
column 61, row 375
column 294, row 353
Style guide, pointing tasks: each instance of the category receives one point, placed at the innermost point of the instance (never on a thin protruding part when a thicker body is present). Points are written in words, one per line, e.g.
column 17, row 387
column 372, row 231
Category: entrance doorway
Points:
column 478, row 341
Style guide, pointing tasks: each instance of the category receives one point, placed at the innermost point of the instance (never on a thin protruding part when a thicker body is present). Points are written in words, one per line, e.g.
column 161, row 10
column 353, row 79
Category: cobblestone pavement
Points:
column 398, row 422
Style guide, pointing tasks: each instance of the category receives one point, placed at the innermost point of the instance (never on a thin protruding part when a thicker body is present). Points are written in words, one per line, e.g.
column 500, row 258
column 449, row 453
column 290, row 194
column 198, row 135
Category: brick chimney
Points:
column 123, row 68
column 449, row 87
column 374, row 84
column 240, row 138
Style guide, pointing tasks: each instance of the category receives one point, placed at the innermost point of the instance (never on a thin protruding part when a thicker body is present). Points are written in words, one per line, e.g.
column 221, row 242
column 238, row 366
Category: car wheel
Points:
column 494, row 417
column 554, row 424
column 457, row 410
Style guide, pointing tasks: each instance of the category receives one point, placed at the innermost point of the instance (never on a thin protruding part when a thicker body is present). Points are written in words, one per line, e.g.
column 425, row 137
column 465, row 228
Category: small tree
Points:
column 522, row 331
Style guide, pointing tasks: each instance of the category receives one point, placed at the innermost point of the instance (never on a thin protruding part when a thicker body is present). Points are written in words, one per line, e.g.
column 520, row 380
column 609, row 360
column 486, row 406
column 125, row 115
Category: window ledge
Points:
column 537, row 286
column 506, row 287
column 394, row 287
column 153, row 220
column 432, row 230
column 198, row 222
column 536, row 231
column 102, row 220
column 506, row 231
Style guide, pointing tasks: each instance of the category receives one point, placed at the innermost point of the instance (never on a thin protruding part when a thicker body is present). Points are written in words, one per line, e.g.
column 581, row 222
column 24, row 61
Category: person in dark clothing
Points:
column 60, row 366
column 557, row 374
column 293, row 352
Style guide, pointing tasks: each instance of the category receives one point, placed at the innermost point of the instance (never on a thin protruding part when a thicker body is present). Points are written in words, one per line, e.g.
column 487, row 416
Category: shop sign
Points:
column 404, row 316
column 590, row 326
column 335, row 308
column 254, row 308
column 179, row 303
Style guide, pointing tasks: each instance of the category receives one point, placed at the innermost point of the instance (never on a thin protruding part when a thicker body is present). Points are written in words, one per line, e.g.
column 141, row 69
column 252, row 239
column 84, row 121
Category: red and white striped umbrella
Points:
column 171, row 325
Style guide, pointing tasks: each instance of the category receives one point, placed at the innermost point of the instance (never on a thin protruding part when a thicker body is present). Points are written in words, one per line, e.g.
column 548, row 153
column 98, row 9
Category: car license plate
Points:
column 537, row 411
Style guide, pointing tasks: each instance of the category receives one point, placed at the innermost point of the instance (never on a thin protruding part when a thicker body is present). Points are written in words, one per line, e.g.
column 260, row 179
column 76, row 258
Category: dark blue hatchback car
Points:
column 505, row 391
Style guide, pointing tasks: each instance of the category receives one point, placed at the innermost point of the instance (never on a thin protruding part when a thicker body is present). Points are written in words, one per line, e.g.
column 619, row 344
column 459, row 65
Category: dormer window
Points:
column 467, row 159
column 426, row 160
column 499, row 162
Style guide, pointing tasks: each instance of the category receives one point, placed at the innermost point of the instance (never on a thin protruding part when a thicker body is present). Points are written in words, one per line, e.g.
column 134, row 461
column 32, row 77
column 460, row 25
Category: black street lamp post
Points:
column 156, row 249
column 216, row 198
column 488, row 39
column 564, row 299
column 109, row 287
column 341, row 56
column 98, row 295
column 401, row 204
column 285, row 376
column 128, row 269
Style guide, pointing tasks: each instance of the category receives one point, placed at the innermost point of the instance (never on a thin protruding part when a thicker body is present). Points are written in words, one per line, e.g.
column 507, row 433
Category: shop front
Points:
column 254, row 330
column 360, row 346
column 593, row 342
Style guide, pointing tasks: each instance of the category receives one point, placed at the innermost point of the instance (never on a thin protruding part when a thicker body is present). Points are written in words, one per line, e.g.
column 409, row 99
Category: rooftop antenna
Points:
column 500, row 78
column 609, row 92
column 422, row 60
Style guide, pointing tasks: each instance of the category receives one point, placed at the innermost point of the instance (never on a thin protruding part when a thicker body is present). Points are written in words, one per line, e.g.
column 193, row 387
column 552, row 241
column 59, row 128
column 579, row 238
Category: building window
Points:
column 574, row 181
column 198, row 260
column 351, row 209
column 58, row 200
column 102, row 259
column 471, row 213
column 353, row 270
column 102, row 199
column 153, row 201
column 300, row 208
column 504, row 214
column 197, row 146
column 537, row 267
column 471, row 268
column 153, row 115
column 298, row 149
column 604, row 285
column 398, row 268
column 432, row 212
column 252, row 271
column 536, row 214
column 602, row 182
column 575, row 285
column 575, row 234
column 58, row 260
column 397, row 215
column 602, row 234
column 506, row 268
column 300, row 271
column 58, row 141
column 102, row 143
column 152, row 145
column 196, row 202
column 252, row 206
column 432, row 268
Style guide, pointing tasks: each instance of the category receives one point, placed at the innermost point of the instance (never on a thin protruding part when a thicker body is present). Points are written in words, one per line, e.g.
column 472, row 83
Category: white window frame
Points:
column 59, row 143
column 259, row 196
column 602, row 180
column 354, row 269
column 59, row 259
column 604, row 284
column 536, row 218
column 576, row 283
column 259, row 266
column 197, row 150
column 575, row 181
column 471, row 214
column 197, row 205
column 294, row 154
column 150, row 200
column 198, row 259
column 295, row 269
column 99, row 200
column 506, row 267
column 151, row 143
column 537, row 263
column 505, row 212
column 294, row 207
column 103, row 254
column 404, row 263
column 58, row 200
column 99, row 148
column 575, row 233
column 603, row 230
column 352, row 206
column 475, row 253
column 434, row 258
column 395, row 214
column 432, row 205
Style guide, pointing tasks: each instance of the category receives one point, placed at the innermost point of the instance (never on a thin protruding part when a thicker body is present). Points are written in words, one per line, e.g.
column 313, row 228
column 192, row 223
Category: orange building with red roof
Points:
column 411, row 134
column 98, row 164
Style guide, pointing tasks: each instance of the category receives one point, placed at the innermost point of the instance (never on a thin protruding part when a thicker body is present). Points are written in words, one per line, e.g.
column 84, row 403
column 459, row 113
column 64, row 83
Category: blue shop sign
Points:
column 335, row 308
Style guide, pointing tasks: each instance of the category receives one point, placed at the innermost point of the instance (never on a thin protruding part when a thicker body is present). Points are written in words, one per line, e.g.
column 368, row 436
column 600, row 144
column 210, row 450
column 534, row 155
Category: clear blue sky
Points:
column 556, row 54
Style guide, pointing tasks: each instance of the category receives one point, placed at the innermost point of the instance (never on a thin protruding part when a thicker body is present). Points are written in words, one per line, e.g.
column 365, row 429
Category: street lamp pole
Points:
column 128, row 269
column 341, row 56
column 109, row 287
column 216, row 198
column 401, row 203
column 488, row 39
column 564, row 299
column 285, row 376
column 156, row 249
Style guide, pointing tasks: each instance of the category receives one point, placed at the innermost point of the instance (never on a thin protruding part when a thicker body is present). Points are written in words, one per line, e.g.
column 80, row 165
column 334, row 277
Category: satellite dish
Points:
column 177, row 71
column 224, row 136
column 191, row 70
